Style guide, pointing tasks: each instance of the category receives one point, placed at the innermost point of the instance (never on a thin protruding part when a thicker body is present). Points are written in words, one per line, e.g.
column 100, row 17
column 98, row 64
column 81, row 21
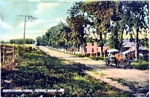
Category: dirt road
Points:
column 131, row 80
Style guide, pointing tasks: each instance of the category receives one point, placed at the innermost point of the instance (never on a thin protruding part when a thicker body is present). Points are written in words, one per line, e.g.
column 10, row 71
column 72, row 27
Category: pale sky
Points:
column 48, row 12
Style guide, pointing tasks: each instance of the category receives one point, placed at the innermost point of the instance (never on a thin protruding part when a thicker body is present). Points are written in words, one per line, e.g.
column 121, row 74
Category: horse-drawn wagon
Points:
column 119, row 59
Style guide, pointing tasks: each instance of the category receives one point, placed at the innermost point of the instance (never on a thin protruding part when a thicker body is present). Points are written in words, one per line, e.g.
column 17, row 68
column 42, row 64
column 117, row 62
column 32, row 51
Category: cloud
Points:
column 44, row 7
column 29, row 34
column 35, row 32
column 4, row 25
column 34, row 0
column 49, row 13
column 31, row 24
column 51, row 25
column 60, row 19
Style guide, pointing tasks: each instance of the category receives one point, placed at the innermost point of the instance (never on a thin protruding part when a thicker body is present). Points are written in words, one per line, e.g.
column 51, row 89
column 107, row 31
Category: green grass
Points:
column 36, row 70
column 97, row 58
column 142, row 65
column 132, row 85
column 97, row 73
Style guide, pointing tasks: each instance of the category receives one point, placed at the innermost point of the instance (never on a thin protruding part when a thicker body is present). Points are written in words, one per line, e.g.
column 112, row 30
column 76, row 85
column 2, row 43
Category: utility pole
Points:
column 29, row 17
column 24, row 33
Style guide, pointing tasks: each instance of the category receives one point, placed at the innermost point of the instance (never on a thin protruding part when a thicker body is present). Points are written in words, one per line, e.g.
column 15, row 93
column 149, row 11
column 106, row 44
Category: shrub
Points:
column 142, row 65
column 146, row 58
column 28, row 49
column 97, row 58
column 80, row 55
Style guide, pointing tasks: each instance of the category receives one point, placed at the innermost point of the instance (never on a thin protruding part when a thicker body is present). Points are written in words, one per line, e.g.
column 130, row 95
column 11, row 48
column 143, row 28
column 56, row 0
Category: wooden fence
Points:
column 7, row 51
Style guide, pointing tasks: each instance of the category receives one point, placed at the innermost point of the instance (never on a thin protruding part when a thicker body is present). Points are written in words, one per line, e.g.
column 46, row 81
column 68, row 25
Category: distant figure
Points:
column 41, row 96
column 34, row 45
column 23, row 95
column 147, row 95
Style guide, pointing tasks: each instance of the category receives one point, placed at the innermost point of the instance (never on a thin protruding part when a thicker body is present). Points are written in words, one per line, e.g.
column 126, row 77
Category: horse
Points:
column 120, row 60
column 123, row 61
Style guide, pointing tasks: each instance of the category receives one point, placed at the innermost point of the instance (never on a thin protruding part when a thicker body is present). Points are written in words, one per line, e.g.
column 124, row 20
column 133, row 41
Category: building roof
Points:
column 143, row 48
column 128, row 44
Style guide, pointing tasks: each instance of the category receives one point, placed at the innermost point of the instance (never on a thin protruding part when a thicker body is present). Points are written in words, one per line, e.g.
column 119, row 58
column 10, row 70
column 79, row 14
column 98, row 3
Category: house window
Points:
column 92, row 49
column 92, row 44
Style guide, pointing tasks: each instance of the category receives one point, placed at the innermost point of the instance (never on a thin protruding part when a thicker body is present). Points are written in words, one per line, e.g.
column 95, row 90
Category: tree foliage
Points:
column 20, row 41
column 77, row 22
column 56, row 36
column 106, row 17
column 137, row 19
column 101, row 17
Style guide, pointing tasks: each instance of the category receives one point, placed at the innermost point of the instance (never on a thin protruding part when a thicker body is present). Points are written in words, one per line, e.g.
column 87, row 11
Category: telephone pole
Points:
column 31, row 18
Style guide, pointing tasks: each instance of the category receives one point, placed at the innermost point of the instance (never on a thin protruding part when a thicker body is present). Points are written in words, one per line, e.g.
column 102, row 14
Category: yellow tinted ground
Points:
column 27, row 45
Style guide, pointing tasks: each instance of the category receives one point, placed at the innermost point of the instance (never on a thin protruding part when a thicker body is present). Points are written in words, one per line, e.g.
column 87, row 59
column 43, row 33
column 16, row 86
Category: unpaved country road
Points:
column 132, row 80
column 85, row 60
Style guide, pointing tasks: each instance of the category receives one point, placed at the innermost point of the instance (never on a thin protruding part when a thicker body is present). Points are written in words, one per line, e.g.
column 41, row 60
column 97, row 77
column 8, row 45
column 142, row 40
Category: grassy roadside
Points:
column 36, row 70
column 79, row 55
column 142, row 64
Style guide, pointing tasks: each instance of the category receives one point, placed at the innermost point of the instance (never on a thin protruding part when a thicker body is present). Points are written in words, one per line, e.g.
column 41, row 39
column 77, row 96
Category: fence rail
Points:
column 7, row 51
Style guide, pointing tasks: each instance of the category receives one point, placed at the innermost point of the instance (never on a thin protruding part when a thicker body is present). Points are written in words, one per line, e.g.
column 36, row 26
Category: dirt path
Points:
column 131, row 80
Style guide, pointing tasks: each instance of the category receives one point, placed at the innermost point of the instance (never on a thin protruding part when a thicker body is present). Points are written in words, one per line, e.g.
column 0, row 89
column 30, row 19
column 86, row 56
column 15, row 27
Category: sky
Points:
column 48, row 12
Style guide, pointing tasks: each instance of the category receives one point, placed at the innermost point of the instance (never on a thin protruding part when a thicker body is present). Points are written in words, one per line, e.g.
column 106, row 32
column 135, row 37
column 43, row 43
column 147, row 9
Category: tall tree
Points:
column 57, row 36
column 77, row 22
column 137, row 19
column 100, row 13
column 39, row 40
column 64, row 31
column 118, row 26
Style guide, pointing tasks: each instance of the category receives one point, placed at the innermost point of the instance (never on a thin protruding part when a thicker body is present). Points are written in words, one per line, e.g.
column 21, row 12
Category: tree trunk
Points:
column 102, row 44
column 101, row 51
column 121, row 46
column 137, row 45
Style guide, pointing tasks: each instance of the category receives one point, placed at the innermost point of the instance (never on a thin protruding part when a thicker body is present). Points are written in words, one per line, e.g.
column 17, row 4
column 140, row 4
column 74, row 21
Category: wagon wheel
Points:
column 120, row 64
column 128, row 64
column 107, row 62
column 124, row 64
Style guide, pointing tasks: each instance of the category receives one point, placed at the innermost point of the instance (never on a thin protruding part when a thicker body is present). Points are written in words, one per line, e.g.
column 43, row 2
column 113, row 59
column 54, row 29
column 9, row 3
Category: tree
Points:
column 20, row 41
column 2, row 42
column 77, row 22
column 100, row 12
column 118, row 26
column 57, row 36
column 144, row 42
column 64, row 37
column 39, row 40
column 137, row 19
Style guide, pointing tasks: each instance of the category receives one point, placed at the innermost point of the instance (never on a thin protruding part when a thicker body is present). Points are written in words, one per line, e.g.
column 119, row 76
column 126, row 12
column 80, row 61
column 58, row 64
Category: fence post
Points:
column 4, row 53
column 13, row 56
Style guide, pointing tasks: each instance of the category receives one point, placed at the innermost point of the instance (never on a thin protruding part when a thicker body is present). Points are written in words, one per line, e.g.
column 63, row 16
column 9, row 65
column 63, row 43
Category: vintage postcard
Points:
column 74, row 48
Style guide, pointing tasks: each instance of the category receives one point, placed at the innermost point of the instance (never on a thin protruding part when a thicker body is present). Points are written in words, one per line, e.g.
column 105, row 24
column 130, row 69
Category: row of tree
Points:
column 101, row 17
column 20, row 41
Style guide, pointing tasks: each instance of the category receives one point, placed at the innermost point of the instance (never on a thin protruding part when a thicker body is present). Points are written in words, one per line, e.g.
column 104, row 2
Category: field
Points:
column 36, row 70
column 27, row 45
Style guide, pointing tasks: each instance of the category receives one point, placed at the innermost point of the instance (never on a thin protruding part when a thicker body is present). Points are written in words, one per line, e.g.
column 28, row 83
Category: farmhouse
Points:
column 94, row 49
